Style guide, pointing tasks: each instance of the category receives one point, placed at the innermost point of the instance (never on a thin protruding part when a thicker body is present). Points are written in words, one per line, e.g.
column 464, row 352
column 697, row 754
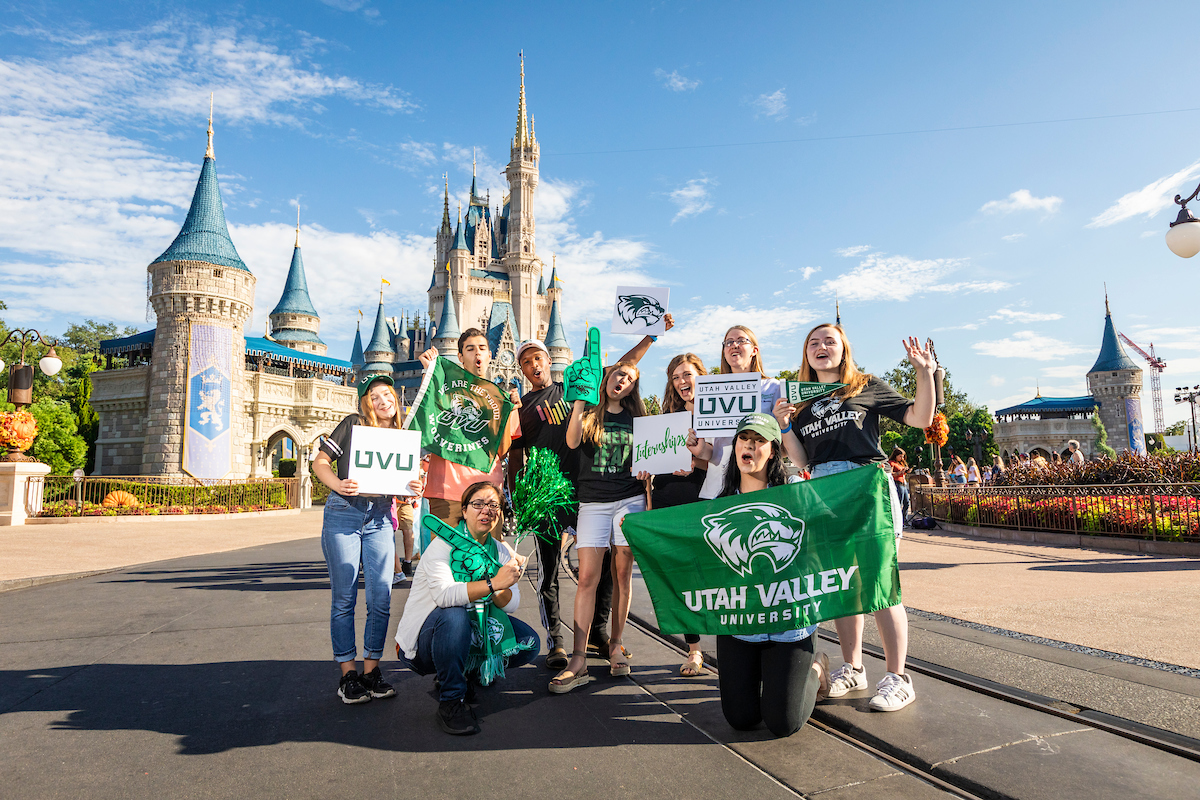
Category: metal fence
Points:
column 1160, row 512
column 119, row 495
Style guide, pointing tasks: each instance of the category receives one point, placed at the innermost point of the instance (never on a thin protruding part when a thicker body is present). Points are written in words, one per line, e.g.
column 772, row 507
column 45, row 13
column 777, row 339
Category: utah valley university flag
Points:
column 462, row 418
column 771, row 560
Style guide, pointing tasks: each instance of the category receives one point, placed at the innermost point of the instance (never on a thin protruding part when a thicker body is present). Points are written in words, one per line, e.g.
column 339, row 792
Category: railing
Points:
column 143, row 495
column 1160, row 512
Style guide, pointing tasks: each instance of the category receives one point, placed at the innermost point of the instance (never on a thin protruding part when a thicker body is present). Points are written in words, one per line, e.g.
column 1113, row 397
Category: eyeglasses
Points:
column 480, row 505
column 741, row 340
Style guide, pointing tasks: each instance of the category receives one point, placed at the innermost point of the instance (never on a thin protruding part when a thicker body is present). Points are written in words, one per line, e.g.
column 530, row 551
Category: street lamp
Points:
column 1185, row 395
column 20, row 375
column 1183, row 237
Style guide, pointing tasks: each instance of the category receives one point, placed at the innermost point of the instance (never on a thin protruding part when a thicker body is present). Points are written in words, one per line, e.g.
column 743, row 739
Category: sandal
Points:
column 694, row 666
column 619, row 667
column 566, row 680
column 556, row 658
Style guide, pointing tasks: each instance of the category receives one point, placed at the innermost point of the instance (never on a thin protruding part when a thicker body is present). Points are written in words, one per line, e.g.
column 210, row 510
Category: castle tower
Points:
column 556, row 343
column 379, row 354
column 1116, row 382
column 357, row 359
column 446, row 338
column 294, row 321
column 520, row 259
column 203, row 295
column 445, row 234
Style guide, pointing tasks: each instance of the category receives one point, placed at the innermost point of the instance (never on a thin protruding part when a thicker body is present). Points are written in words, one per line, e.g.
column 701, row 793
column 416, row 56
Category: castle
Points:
column 197, row 396
column 1046, row 424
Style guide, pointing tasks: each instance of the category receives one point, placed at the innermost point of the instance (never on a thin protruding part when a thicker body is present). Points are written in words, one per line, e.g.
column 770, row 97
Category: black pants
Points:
column 769, row 682
column 548, row 562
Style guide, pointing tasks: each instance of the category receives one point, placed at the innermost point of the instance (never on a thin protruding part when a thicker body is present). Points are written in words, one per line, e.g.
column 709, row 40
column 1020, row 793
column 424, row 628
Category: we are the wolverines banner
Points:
column 462, row 418
column 773, row 560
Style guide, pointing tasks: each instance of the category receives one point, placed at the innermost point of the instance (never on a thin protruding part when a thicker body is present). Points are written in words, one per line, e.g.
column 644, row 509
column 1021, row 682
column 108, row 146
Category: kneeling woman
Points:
column 774, row 678
column 466, row 584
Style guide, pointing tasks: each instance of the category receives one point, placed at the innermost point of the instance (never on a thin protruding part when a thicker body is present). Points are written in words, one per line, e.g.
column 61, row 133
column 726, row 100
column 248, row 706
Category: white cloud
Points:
column 352, row 6
column 1022, row 200
column 1148, row 234
column 808, row 272
column 1013, row 237
column 1066, row 370
column 773, row 105
column 851, row 252
column 692, row 198
column 996, row 380
column 1009, row 315
column 1149, row 200
column 1028, row 345
column 676, row 82
column 883, row 277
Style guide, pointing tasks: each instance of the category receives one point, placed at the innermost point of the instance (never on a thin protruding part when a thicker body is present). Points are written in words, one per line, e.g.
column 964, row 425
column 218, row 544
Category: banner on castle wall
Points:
column 1137, row 431
column 207, row 439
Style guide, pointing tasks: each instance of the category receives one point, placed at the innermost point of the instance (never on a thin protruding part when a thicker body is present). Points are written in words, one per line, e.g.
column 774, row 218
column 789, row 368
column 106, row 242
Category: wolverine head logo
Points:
column 463, row 414
column 825, row 405
column 738, row 535
column 639, row 306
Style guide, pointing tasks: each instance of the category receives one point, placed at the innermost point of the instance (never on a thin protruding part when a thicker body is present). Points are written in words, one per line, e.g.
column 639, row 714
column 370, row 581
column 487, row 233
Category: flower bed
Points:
column 64, row 496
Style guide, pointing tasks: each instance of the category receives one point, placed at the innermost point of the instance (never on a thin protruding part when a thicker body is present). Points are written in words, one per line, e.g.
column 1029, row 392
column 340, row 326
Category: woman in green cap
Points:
column 357, row 529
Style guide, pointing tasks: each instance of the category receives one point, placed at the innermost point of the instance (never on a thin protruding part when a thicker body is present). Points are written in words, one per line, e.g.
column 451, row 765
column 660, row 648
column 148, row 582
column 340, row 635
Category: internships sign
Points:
column 772, row 560
column 722, row 401
column 660, row 443
column 383, row 460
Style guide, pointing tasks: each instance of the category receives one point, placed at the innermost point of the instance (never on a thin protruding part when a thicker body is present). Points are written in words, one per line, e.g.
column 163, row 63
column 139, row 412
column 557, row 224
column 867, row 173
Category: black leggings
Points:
column 769, row 682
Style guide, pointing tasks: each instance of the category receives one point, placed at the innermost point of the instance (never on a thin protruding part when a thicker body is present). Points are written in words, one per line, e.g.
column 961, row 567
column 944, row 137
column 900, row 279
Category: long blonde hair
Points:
column 366, row 411
column 672, row 402
column 848, row 373
column 756, row 364
column 593, row 418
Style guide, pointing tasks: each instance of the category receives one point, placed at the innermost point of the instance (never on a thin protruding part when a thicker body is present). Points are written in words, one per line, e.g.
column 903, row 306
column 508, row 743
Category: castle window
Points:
column 216, row 273
column 179, row 269
column 526, row 248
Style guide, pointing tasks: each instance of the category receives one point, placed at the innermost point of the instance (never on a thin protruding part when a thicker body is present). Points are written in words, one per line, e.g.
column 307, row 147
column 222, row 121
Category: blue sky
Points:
column 756, row 158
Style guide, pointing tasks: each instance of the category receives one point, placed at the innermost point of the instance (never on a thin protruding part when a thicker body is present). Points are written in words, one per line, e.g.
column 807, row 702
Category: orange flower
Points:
column 939, row 432
column 17, row 430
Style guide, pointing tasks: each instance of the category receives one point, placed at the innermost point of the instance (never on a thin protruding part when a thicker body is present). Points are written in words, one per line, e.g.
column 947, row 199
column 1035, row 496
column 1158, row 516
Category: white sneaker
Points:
column 847, row 679
column 893, row 693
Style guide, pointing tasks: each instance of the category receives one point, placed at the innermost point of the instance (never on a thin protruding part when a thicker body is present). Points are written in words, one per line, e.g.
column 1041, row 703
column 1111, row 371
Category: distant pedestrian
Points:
column 900, row 470
column 357, row 529
column 972, row 472
column 1076, row 453
column 958, row 471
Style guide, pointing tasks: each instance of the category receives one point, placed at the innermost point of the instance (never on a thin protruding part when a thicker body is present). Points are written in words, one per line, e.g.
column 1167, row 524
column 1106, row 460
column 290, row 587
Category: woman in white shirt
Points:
column 435, row 635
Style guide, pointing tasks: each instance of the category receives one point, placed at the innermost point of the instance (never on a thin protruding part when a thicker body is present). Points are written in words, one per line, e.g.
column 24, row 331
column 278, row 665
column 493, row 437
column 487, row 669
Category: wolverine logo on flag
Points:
column 464, row 414
column 738, row 535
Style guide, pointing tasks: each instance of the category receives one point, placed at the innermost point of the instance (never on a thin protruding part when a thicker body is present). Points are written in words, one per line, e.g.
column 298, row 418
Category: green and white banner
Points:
column 801, row 391
column 461, row 418
column 773, row 560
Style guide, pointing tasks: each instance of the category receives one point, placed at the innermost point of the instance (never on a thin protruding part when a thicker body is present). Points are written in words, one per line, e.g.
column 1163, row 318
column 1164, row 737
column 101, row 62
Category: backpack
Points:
column 923, row 523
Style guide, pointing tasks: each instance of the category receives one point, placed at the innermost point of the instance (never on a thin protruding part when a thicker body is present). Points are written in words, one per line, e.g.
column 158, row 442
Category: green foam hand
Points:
column 582, row 378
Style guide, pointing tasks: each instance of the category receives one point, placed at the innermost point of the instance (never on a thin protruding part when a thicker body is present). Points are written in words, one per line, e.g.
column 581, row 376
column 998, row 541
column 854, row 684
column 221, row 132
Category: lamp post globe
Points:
column 1183, row 237
column 50, row 363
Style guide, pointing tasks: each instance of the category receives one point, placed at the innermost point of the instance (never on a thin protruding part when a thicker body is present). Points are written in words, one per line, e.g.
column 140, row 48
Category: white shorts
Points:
column 599, row 524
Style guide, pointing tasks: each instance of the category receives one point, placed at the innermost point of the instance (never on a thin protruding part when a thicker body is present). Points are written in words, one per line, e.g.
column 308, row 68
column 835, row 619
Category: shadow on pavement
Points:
column 220, row 706
column 1119, row 567
column 277, row 576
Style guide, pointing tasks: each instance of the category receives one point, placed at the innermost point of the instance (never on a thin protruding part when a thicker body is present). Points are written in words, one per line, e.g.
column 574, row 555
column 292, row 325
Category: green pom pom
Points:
column 540, row 494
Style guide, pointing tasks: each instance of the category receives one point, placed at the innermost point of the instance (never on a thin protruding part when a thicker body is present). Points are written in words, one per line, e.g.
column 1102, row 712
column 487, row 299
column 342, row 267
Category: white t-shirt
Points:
column 771, row 390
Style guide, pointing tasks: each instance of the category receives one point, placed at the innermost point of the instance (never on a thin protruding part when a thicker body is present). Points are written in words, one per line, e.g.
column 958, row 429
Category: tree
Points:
column 58, row 442
column 653, row 406
column 1102, row 437
column 1176, row 429
column 789, row 375
column 86, row 338
column 86, row 417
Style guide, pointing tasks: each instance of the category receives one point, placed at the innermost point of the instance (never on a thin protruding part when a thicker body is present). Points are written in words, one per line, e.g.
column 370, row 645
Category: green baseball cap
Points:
column 762, row 424
column 365, row 384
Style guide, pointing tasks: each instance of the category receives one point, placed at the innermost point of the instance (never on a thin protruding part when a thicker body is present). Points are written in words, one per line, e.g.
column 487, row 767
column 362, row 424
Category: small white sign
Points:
column 722, row 401
column 383, row 460
column 660, row 443
column 641, row 310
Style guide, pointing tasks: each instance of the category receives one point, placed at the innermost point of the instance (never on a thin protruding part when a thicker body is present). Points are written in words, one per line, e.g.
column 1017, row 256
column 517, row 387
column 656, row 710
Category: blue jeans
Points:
column 444, row 642
column 358, row 531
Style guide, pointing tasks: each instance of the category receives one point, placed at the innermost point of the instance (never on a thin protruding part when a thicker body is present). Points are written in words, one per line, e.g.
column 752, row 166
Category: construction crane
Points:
column 1157, row 365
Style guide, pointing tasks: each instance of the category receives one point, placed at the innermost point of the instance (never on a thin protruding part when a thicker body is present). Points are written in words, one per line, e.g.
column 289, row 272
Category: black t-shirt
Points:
column 675, row 490
column 544, row 416
column 604, row 469
column 338, row 442
column 848, row 430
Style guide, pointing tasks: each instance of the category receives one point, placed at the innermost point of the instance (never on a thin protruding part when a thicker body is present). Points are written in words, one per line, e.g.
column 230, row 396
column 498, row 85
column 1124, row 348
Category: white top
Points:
column 771, row 390
column 973, row 474
column 1077, row 456
column 434, row 586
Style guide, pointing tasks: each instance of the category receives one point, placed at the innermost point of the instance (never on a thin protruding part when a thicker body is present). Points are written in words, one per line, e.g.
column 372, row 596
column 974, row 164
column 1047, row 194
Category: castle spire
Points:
column 446, row 205
column 356, row 354
column 379, row 349
column 209, row 152
column 297, row 222
column 1112, row 355
column 523, row 138
column 447, row 327
column 1107, row 310
column 460, row 237
column 837, row 310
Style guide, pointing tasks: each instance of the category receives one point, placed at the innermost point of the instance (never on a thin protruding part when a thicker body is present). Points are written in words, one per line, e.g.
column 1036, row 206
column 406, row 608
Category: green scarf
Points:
column 472, row 561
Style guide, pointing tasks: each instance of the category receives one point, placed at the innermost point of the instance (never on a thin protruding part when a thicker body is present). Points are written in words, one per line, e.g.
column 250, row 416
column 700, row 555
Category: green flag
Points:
column 801, row 391
column 772, row 560
column 461, row 418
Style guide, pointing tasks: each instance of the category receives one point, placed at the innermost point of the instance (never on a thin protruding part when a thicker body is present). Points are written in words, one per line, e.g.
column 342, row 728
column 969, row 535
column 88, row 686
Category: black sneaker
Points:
column 471, row 696
column 351, row 689
column 456, row 719
column 407, row 568
column 374, row 683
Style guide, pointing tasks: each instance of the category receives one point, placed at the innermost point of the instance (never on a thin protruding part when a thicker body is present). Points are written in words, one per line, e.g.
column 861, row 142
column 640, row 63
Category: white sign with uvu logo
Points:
column 383, row 460
column 660, row 443
column 641, row 310
column 722, row 401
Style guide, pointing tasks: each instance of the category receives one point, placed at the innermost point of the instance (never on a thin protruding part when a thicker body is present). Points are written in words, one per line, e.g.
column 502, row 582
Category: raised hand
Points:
column 920, row 357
